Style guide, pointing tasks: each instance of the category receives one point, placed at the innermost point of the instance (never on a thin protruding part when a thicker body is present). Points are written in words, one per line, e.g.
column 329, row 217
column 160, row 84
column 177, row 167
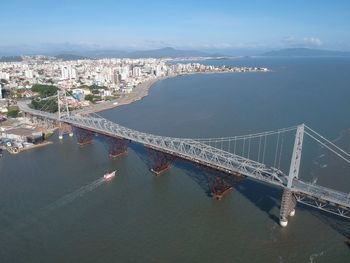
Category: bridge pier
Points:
column 234, row 165
column 84, row 137
column 159, row 162
column 222, row 183
column 116, row 146
column 288, row 204
column 64, row 128
column 219, row 187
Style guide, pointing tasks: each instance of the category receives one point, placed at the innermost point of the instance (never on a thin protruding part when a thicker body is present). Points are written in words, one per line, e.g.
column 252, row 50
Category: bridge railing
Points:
column 200, row 152
column 185, row 148
column 323, row 193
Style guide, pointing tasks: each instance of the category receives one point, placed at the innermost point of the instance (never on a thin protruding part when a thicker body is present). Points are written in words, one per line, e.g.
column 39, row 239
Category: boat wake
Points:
column 313, row 257
column 42, row 214
column 76, row 194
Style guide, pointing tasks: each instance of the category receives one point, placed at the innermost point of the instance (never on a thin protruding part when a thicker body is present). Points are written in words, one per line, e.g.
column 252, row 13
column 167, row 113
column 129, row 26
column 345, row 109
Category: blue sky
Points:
column 133, row 24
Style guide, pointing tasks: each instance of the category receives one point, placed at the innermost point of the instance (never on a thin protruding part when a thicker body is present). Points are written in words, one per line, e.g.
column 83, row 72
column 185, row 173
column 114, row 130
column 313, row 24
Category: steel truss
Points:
column 322, row 198
column 323, row 205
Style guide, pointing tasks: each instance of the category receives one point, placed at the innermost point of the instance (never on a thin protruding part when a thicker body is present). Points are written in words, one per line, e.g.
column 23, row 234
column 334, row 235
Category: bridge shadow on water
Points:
column 264, row 197
column 337, row 223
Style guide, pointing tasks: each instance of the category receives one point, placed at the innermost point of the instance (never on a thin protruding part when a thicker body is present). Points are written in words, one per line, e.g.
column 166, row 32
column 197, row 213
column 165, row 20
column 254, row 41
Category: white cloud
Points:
column 292, row 41
column 314, row 41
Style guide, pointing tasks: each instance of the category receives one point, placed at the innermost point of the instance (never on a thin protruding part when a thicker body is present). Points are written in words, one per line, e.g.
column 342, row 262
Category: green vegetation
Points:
column 95, row 91
column 89, row 97
column 44, row 90
column 49, row 105
column 110, row 97
column 96, row 87
column 92, row 98
column 13, row 111
column 92, row 87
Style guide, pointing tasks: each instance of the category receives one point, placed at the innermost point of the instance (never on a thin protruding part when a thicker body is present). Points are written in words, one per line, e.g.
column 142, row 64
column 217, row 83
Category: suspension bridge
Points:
column 258, row 156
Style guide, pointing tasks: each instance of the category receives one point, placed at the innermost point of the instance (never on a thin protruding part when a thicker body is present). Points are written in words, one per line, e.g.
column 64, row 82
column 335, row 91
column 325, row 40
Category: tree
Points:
column 44, row 90
column 13, row 112
column 89, row 97
column 94, row 91
column 48, row 105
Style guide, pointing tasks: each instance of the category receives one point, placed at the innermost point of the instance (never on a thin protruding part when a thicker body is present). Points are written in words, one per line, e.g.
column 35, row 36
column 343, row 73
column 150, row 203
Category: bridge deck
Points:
column 322, row 193
column 198, row 152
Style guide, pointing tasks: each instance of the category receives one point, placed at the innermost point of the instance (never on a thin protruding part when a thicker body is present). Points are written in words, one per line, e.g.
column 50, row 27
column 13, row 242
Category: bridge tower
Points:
column 63, row 110
column 289, row 201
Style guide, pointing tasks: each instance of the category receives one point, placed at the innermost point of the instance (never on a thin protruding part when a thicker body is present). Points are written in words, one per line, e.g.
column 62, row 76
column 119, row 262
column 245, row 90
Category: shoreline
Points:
column 138, row 93
column 39, row 145
column 142, row 90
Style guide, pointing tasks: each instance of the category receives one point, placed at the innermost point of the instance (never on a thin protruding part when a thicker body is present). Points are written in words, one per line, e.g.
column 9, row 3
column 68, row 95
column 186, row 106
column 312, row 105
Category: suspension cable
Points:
column 263, row 159
column 243, row 147
column 335, row 146
column 329, row 148
column 281, row 149
column 47, row 100
column 249, row 147
column 276, row 151
column 241, row 137
column 259, row 149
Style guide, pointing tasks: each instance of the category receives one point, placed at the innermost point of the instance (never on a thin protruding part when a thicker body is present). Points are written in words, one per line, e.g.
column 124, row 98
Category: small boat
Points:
column 109, row 176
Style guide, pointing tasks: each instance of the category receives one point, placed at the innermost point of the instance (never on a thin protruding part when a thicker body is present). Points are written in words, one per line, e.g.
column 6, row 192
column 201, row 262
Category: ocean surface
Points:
column 54, row 207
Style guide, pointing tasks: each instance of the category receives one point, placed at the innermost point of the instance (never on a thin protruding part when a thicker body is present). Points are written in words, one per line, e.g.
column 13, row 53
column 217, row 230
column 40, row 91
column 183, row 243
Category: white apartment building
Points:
column 67, row 72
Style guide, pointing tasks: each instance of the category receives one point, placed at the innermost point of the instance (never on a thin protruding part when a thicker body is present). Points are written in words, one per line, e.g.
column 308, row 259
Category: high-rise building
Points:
column 72, row 73
column 136, row 72
column 4, row 75
column 28, row 74
column 115, row 77
column 158, row 70
column 67, row 72
column 64, row 72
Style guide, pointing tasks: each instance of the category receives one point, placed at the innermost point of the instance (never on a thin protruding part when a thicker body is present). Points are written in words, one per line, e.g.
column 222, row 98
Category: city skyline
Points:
column 43, row 26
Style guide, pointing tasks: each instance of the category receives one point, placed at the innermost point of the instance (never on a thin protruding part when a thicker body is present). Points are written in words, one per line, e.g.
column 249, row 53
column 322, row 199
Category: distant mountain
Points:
column 70, row 57
column 305, row 52
column 166, row 52
column 169, row 52
column 106, row 53
column 11, row 59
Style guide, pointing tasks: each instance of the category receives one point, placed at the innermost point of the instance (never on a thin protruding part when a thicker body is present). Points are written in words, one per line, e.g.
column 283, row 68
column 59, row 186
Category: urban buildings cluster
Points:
column 88, row 81
column 117, row 76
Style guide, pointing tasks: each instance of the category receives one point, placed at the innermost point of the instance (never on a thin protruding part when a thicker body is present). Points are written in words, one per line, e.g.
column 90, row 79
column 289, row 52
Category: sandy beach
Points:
column 139, row 92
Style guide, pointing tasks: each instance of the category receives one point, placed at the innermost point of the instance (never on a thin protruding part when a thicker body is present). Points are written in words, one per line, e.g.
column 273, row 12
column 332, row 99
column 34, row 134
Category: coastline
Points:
column 141, row 91
column 138, row 93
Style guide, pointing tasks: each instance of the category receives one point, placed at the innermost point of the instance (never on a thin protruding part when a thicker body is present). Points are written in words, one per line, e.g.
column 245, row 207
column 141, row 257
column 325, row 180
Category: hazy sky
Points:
column 202, row 24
